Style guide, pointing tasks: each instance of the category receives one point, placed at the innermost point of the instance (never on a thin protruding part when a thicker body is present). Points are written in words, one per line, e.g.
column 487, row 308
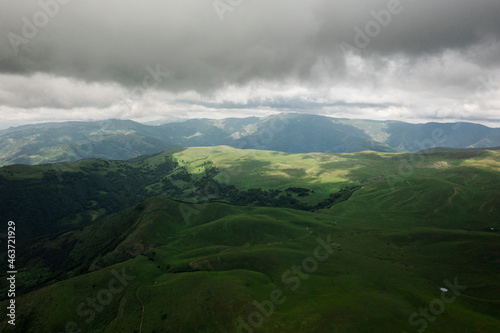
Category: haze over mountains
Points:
column 291, row 133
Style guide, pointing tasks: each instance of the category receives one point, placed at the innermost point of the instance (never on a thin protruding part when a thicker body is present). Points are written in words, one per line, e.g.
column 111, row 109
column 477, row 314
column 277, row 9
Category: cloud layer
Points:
column 144, row 59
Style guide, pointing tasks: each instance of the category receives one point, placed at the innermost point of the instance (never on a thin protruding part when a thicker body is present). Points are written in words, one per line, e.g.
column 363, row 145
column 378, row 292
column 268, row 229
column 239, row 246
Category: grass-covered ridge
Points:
column 52, row 198
column 413, row 222
column 203, row 276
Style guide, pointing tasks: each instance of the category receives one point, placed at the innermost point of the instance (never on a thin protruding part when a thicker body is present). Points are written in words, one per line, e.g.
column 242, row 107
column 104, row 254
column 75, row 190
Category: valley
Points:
column 264, row 241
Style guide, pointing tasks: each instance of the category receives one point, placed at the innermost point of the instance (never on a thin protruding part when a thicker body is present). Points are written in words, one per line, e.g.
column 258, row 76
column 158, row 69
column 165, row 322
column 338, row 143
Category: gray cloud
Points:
column 95, row 53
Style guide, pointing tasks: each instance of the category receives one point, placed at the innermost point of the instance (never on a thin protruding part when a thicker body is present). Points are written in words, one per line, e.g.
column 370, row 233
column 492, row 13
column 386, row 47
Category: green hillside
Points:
column 52, row 198
column 372, row 260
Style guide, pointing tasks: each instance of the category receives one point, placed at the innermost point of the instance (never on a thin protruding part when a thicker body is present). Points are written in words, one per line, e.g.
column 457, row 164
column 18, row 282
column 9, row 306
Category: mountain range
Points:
column 290, row 223
column 290, row 133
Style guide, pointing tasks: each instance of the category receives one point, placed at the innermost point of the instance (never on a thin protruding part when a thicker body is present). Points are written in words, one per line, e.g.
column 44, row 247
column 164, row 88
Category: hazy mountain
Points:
column 414, row 137
column 205, row 132
column 299, row 133
column 71, row 141
column 291, row 133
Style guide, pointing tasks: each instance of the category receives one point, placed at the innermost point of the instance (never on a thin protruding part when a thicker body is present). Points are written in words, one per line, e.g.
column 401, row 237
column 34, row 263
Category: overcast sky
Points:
column 149, row 59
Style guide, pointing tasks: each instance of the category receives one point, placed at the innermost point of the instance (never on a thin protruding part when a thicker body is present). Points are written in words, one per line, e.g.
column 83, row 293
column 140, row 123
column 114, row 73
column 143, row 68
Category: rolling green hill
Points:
column 52, row 198
column 246, row 248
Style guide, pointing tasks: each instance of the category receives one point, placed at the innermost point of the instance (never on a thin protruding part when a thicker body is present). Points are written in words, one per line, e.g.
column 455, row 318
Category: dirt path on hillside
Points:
column 403, row 201
column 142, row 316
column 482, row 208
column 452, row 196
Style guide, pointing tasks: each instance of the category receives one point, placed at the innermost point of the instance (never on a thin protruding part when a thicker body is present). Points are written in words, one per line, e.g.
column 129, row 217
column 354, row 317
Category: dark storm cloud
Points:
column 130, row 57
column 116, row 40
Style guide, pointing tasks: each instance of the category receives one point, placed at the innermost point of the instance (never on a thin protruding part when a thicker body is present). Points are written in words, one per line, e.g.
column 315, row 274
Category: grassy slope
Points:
column 327, row 173
column 323, row 173
column 398, row 244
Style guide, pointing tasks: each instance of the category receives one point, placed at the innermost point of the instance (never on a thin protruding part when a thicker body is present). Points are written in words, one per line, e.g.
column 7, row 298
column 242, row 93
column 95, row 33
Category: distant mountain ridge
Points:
column 290, row 133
